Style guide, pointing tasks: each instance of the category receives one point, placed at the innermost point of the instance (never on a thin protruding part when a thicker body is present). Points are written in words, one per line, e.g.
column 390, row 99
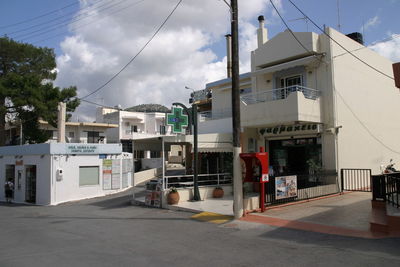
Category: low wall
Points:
column 186, row 194
column 143, row 176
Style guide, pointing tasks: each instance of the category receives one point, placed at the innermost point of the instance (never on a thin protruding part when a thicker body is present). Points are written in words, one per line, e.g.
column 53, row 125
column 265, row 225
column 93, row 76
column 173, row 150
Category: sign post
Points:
column 178, row 120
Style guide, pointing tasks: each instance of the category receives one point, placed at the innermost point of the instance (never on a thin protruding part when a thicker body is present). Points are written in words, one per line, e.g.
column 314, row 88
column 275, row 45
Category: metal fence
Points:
column 386, row 187
column 278, row 94
column 356, row 180
column 308, row 186
column 203, row 180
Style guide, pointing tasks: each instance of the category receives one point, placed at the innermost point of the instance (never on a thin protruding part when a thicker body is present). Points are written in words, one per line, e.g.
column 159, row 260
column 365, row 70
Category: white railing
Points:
column 203, row 179
column 278, row 94
column 215, row 114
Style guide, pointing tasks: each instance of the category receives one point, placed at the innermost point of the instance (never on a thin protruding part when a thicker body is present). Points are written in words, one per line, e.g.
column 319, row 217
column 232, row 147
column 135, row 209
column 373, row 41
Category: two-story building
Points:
column 313, row 106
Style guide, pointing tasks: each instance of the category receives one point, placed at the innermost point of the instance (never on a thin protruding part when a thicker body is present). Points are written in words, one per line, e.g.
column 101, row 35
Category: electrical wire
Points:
column 394, row 36
column 39, row 16
column 87, row 24
column 137, row 54
column 336, row 91
column 287, row 27
column 65, row 22
column 372, row 67
column 51, row 20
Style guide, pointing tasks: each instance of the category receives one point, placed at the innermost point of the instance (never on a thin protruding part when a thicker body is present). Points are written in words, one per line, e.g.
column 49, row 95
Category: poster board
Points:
column 107, row 172
column 116, row 174
column 285, row 187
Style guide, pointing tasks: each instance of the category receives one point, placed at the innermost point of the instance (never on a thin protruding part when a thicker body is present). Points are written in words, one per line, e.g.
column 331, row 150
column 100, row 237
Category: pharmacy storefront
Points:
column 49, row 174
column 296, row 163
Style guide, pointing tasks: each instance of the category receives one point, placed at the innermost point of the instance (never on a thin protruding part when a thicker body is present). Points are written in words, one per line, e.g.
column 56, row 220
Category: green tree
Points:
column 27, row 93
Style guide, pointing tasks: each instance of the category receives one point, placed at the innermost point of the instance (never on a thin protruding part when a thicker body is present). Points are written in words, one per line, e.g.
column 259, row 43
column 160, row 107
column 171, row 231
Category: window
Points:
column 134, row 128
column 88, row 175
column 93, row 137
column 292, row 81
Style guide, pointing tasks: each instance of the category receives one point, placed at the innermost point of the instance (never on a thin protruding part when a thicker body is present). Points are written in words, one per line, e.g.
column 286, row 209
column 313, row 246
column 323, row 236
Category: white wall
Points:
column 367, row 105
column 42, row 177
column 69, row 189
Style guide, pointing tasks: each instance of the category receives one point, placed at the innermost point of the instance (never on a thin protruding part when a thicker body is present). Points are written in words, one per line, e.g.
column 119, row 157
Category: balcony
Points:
column 281, row 106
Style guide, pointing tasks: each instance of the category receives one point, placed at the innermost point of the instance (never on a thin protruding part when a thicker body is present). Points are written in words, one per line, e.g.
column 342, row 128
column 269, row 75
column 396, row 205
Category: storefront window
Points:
column 291, row 157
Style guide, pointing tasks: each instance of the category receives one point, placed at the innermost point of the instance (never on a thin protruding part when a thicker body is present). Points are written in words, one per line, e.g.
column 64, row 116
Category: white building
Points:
column 49, row 174
column 76, row 132
column 320, row 104
column 133, row 126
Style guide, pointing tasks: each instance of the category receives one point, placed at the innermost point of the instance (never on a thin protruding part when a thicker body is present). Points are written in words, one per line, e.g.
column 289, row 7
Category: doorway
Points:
column 30, row 183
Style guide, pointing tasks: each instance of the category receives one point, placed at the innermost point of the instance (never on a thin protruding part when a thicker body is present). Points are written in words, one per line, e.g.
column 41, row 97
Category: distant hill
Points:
column 149, row 108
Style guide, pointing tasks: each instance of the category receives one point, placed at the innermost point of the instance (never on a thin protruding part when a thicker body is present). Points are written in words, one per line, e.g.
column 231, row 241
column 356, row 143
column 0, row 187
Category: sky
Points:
column 94, row 39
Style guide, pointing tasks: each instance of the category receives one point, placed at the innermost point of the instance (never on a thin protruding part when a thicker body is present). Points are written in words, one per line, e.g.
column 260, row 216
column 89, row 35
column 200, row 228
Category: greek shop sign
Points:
column 291, row 129
column 82, row 149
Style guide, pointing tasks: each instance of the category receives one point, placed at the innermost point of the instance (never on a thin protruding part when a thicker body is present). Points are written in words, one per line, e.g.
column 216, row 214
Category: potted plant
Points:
column 173, row 196
column 218, row 192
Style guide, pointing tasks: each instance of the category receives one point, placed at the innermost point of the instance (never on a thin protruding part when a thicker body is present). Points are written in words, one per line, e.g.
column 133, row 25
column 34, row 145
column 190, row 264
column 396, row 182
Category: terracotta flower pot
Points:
column 173, row 198
column 218, row 193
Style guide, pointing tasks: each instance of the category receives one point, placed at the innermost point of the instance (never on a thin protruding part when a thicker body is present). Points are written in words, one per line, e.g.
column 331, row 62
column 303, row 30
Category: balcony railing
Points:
column 278, row 94
column 215, row 115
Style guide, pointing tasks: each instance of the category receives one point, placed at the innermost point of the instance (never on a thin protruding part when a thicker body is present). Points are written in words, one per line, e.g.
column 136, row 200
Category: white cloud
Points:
column 389, row 49
column 179, row 55
column 371, row 23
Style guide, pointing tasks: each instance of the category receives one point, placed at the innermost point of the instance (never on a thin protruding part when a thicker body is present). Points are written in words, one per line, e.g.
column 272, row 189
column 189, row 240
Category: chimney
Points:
column 262, row 33
column 61, row 122
column 396, row 74
column 228, row 55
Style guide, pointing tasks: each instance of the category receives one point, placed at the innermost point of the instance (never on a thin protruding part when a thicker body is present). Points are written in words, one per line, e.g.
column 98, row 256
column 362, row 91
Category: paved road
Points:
column 110, row 232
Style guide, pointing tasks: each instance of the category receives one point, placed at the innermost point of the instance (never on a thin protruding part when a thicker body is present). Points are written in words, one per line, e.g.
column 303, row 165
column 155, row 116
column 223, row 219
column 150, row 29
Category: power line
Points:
column 365, row 127
column 372, row 67
column 40, row 16
column 287, row 27
column 87, row 24
column 49, row 21
column 137, row 54
column 394, row 36
column 64, row 22
column 348, row 106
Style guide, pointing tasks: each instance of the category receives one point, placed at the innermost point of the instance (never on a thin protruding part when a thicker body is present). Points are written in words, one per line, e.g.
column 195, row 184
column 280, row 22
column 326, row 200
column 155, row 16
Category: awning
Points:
column 221, row 142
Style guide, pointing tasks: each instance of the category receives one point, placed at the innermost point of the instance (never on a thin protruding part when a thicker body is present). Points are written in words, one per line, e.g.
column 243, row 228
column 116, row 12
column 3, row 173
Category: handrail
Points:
column 278, row 94
column 199, row 175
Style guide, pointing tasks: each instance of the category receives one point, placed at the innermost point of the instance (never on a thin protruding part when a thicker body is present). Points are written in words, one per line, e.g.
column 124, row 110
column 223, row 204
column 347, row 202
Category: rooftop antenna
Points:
column 302, row 18
column 338, row 14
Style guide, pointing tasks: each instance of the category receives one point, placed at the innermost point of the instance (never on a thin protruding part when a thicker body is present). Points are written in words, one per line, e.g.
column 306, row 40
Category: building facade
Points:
column 316, row 107
column 53, row 173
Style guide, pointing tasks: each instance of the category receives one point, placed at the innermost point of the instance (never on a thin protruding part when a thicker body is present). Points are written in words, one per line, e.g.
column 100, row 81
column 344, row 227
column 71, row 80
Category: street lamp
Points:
column 193, row 121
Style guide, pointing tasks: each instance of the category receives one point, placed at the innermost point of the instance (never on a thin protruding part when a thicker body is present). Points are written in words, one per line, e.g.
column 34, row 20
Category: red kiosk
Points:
column 256, row 171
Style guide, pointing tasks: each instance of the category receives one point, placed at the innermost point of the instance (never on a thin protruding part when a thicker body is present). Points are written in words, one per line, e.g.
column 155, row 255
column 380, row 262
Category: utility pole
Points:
column 237, row 174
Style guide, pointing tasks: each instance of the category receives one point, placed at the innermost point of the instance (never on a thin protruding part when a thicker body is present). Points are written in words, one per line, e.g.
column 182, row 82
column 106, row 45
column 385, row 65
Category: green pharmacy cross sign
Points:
column 177, row 120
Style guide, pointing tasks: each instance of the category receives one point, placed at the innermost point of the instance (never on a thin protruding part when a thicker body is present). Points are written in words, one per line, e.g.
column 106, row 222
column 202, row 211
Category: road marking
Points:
column 212, row 217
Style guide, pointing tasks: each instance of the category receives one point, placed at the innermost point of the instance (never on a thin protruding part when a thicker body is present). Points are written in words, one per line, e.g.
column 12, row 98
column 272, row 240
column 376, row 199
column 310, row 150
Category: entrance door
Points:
column 10, row 175
column 30, row 183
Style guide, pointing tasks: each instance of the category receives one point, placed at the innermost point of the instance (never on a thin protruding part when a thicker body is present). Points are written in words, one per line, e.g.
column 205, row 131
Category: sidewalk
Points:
column 346, row 215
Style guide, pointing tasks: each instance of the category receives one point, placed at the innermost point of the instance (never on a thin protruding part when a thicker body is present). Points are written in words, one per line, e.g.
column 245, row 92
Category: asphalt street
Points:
column 110, row 232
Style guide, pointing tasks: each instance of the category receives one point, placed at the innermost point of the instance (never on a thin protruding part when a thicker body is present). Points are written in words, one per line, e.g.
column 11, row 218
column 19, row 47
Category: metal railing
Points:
column 203, row 179
column 355, row 180
column 386, row 187
column 278, row 94
column 215, row 114
column 308, row 186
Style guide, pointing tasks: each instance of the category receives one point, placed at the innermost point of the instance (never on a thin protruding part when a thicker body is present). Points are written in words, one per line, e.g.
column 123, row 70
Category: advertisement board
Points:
column 285, row 187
